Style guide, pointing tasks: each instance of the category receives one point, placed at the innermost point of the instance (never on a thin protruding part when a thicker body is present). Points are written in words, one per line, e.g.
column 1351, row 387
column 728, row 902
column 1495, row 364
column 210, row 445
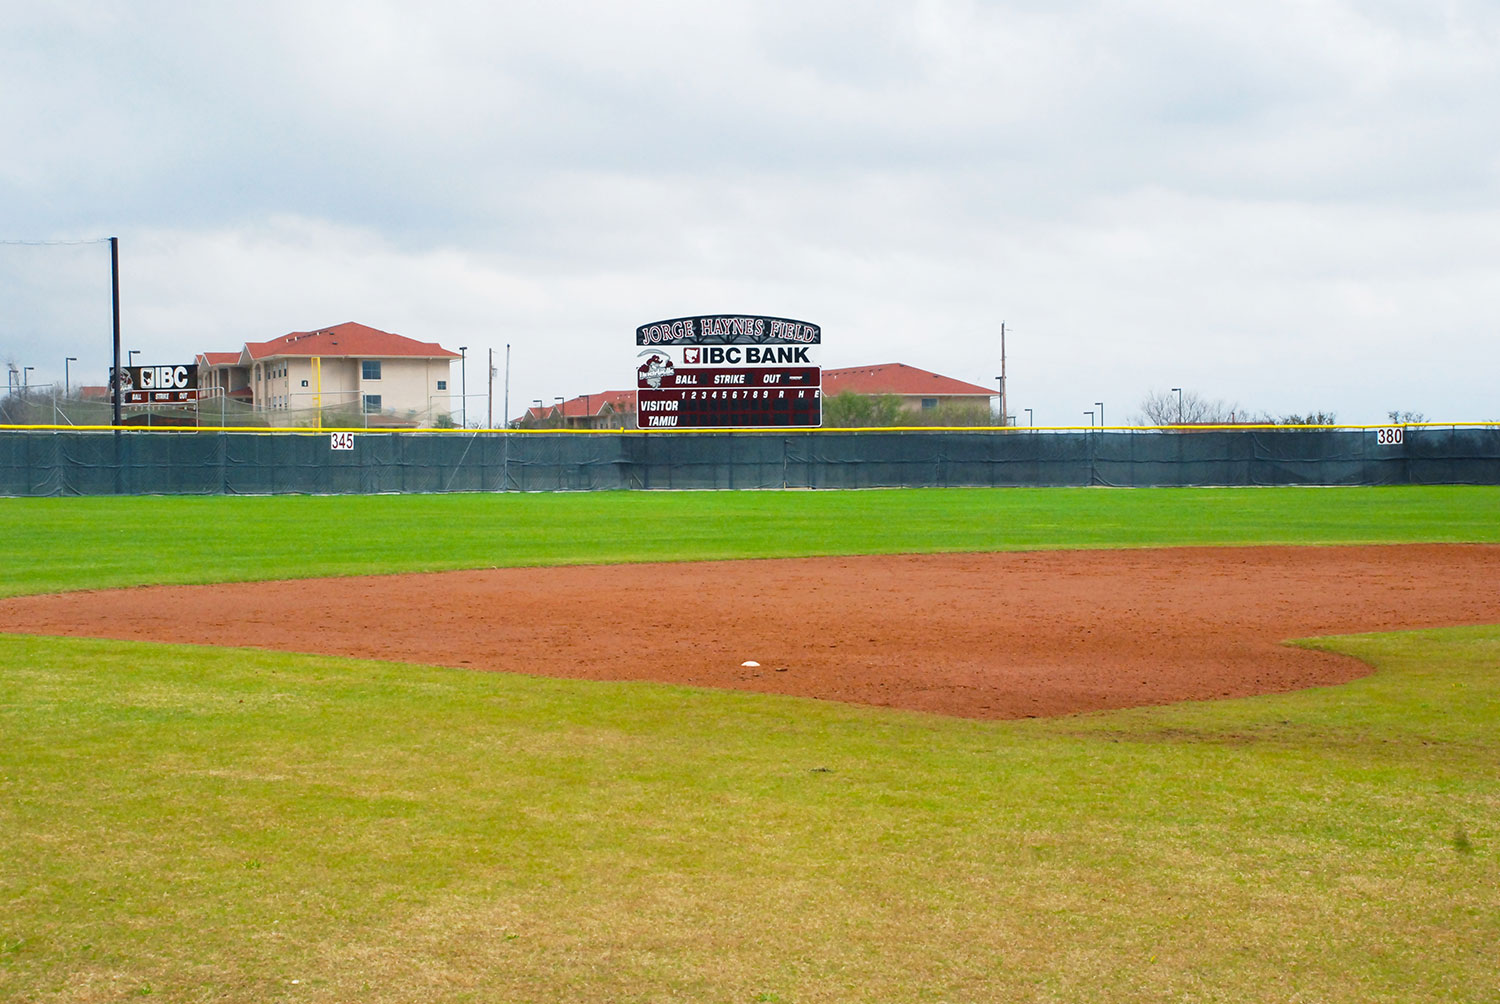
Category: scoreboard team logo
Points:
column 728, row 371
column 655, row 369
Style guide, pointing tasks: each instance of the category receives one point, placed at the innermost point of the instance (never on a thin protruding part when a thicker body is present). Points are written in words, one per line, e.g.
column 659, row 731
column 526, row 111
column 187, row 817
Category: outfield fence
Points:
column 51, row 461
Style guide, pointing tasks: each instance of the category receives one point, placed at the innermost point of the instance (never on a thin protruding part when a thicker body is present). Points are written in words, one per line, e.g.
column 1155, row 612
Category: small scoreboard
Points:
column 156, row 384
column 728, row 371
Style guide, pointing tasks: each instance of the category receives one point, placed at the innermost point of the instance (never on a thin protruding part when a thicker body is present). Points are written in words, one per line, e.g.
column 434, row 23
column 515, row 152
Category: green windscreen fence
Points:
column 195, row 463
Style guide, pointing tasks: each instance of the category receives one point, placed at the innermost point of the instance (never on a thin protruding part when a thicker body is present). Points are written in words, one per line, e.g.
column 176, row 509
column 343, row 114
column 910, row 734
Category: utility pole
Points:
column 506, row 417
column 463, row 384
column 1003, row 412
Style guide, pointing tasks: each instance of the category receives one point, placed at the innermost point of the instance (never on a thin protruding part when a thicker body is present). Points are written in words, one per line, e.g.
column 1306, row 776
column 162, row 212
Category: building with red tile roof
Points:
column 918, row 389
column 609, row 409
column 386, row 378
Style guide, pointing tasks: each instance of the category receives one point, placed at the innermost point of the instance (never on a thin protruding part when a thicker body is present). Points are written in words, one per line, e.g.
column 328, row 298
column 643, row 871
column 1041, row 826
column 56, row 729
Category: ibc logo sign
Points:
column 165, row 378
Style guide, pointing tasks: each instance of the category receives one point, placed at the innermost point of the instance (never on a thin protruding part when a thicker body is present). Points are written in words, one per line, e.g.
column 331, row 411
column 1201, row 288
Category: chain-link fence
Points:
column 44, row 406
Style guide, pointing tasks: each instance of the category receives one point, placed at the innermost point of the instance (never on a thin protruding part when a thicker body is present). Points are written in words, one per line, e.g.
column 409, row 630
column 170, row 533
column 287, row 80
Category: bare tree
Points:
column 1311, row 418
column 1184, row 408
column 1403, row 417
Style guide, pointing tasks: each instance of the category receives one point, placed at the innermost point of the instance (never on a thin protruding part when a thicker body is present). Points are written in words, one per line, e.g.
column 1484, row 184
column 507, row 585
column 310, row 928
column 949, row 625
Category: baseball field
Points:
column 1029, row 745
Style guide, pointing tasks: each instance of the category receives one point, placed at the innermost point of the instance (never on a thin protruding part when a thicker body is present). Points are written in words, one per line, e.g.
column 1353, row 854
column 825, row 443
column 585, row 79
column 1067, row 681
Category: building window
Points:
column 929, row 403
column 370, row 369
column 372, row 403
column 304, row 383
column 442, row 385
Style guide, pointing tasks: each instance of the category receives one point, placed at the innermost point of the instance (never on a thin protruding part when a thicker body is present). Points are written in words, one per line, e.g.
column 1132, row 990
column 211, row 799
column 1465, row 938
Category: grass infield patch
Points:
column 207, row 824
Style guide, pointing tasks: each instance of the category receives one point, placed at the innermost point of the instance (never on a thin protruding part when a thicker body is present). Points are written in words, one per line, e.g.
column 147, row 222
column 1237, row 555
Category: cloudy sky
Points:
column 1289, row 204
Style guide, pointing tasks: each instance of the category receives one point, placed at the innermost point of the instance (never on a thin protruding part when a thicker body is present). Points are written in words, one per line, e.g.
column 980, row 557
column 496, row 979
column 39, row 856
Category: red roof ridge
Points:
column 353, row 339
column 586, row 404
column 898, row 378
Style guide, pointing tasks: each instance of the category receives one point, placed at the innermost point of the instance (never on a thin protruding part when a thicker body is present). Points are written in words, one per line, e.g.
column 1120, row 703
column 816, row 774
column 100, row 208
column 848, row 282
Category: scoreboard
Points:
column 728, row 371
column 156, row 384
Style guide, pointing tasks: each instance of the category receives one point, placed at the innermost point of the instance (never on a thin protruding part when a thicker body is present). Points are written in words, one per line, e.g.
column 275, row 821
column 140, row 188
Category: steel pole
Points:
column 463, row 384
column 114, row 287
column 1003, row 411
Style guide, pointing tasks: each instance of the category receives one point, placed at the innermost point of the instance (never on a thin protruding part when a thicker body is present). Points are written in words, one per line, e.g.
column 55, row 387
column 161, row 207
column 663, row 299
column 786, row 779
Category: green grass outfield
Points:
column 73, row 543
column 199, row 824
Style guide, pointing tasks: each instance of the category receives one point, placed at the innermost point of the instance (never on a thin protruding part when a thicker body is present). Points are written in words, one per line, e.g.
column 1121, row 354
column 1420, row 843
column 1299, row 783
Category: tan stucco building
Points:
column 384, row 378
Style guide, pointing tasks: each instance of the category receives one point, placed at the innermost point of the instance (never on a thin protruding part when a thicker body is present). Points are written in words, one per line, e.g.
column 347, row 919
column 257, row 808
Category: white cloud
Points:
column 1274, row 203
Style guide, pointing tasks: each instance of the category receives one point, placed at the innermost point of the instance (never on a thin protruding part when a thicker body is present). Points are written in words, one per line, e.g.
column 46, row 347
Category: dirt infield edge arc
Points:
column 992, row 635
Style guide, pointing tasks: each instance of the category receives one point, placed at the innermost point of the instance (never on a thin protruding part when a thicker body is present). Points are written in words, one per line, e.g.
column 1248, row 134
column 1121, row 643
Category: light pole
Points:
column 538, row 410
column 25, row 380
column 1030, row 422
column 562, row 415
column 67, row 385
column 463, row 384
column 1090, row 414
column 1179, row 404
column 1100, row 406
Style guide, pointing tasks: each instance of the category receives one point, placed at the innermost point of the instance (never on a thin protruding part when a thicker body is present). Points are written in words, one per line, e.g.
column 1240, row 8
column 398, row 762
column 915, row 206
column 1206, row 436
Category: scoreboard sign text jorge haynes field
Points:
column 728, row 371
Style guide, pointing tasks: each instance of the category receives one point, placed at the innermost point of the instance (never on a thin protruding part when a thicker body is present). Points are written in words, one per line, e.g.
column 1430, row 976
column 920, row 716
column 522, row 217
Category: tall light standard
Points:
column 562, row 413
column 1100, row 405
column 538, row 410
column 1030, row 422
column 1090, row 414
column 67, row 385
column 25, row 380
column 1179, row 404
column 463, row 384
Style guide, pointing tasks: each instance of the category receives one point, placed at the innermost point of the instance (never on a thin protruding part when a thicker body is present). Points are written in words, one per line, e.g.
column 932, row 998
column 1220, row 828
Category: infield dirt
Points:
column 996, row 635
